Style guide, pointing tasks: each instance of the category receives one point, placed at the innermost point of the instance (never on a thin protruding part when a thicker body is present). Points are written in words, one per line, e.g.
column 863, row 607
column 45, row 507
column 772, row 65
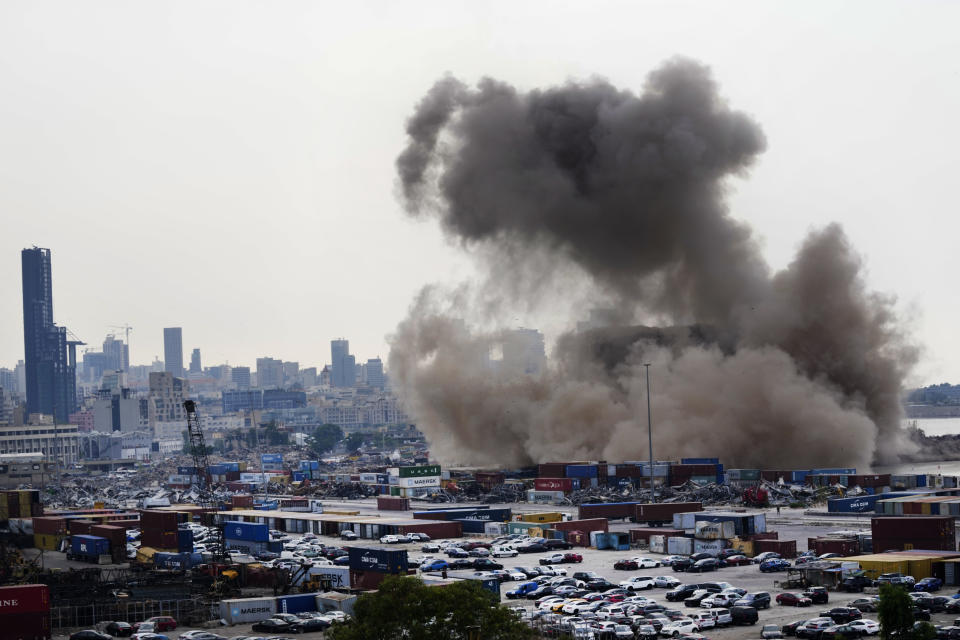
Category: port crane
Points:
column 202, row 463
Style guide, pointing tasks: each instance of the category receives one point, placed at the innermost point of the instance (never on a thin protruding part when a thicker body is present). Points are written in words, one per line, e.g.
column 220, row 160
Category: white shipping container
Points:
column 21, row 525
column 658, row 544
column 713, row 547
column 495, row 528
column 685, row 520
column 339, row 577
column 544, row 497
column 714, row 530
column 595, row 537
column 368, row 478
column 680, row 546
column 247, row 609
column 759, row 523
column 181, row 479
column 410, row 483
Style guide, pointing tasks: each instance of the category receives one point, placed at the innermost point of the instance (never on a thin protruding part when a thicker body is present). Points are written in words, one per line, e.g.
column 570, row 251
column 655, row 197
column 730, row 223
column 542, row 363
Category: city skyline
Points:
column 278, row 229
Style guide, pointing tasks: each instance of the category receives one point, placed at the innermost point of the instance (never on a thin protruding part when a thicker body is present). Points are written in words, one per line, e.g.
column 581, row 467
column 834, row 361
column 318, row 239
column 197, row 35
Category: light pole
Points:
column 653, row 495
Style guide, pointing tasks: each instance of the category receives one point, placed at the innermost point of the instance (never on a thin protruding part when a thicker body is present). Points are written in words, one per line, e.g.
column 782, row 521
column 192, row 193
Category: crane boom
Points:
column 202, row 463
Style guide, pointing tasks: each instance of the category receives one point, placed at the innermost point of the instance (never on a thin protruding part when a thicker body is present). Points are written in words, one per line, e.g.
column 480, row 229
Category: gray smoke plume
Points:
column 800, row 367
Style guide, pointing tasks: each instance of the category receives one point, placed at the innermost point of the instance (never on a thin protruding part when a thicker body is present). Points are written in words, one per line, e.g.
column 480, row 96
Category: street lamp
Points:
column 653, row 495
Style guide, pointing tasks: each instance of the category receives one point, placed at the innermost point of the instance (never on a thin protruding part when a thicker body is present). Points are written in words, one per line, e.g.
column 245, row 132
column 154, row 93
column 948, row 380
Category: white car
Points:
column 646, row 563
column 719, row 600
column 517, row 575
column 548, row 605
column 704, row 620
column 608, row 611
column 504, row 552
column 389, row 539
column 430, row 548
column 552, row 570
column 665, row 582
column 867, row 626
column 638, row 582
column 678, row 627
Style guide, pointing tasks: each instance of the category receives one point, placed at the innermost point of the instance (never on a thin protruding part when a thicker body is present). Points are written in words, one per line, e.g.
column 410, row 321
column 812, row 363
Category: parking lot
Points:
column 789, row 525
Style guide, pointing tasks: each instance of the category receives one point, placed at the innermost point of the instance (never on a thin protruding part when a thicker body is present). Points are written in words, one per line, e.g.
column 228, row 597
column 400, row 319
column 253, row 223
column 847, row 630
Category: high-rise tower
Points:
column 173, row 351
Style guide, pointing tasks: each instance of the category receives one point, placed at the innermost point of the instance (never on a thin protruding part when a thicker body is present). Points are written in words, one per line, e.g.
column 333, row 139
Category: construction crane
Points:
column 200, row 460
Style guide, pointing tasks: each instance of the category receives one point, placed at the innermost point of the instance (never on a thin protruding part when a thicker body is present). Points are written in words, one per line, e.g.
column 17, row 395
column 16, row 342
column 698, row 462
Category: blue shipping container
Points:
column 184, row 540
column 187, row 471
column 472, row 526
column 232, row 466
column 699, row 460
column 379, row 560
column 299, row 476
column 798, row 476
column 859, row 504
column 297, row 604
column 833, row 472
column 90, row 546
column 581, row 471
column 275, row 546
column 246, row 531
column 173, row 561
column 217, row 469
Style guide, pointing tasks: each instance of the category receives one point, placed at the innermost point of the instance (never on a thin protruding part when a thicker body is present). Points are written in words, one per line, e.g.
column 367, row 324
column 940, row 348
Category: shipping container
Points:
column 436, row 530
column 553, row 484
column 608, row 510
column 250, row 531
column 115, row 534
column 166, row 540
column 419, row 472
column 713, row 547
column 299, row 603
column 552, row 469
column 27, row 626
column 88, row 547
column 858, row 504
column 544, row 497
column 23, row 599
column 680, row 546
column 583, row 526
column 366, row 580
column 545, row 516
column 699, row 460
column 581, row 471
column 247, row 610
column 786, row 548
column 714, row 530
column 391, row 503
column 920, row 532
column 53, row 525
column 416, row 482
column 662, row 511
column 367, row 559
column 155, row 520
column 644, row 534
column 329, row 577
column 658, row 544
column 172, row 561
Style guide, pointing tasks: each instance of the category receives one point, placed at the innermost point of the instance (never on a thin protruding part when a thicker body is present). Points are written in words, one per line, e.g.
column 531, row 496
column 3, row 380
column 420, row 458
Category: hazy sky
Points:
column 228, row 167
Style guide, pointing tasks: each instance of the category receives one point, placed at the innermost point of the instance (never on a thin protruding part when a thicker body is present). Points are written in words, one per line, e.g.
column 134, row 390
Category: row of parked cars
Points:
column 160, row 628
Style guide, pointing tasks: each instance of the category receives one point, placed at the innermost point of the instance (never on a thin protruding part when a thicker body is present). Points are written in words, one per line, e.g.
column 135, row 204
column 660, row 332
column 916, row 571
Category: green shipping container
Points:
column 420, row 472
column 395, row 491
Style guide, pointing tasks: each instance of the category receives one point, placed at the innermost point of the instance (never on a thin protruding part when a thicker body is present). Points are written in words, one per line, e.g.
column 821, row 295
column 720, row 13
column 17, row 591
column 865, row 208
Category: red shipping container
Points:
column 36, row 509
column 584, row 526
column 552, row 469
column 159, row 539
column 154, row 520
column 608, row 510
column 393, row 503
column 242, row 502
column 553, row 484
column 925, row 527
column 628, row 471
column 50, row 525
column 24, row 598
column 79, row 527
column 436, row 530
column 786, row 548
column 766, row 535
column 663, row 511
column 26, row 626
column 366, row 580
column 844, row 546
column 116, row 535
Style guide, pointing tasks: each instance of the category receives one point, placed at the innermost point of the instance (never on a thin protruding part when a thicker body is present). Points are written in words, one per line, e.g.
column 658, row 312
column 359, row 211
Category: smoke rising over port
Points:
column 622, row 195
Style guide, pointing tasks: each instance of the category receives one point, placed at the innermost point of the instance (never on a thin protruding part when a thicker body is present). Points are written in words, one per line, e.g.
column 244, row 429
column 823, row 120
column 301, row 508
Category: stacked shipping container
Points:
column 25, row 612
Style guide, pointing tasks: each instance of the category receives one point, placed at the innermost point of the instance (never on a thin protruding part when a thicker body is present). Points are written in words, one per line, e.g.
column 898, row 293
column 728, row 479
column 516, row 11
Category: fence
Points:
column 184, row 611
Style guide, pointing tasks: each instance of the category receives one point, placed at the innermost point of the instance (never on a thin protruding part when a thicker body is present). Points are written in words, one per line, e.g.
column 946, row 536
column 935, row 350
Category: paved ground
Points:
column 791, row 524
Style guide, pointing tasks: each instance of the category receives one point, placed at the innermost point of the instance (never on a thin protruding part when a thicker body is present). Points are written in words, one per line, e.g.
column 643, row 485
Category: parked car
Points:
column 775, row 564
column 553, row 558
column 928, row 584
column 679, row 627
column 558, row 544
column 756, row 599
column 707, row 564
column 681, row 592
column 770, row 632
column 119, row 629
column 389, row 539
column 736, row 560
column 760, row 558
column 638, row 582
column 814, row 627
column 161, row 623
column 625, row 565
column 457, row 552
column 895, row 578
column 696, row 598
column 840, row 632
column 274, row 626
column 90, row 634
column 435, row 565
column 501, row 551
column 522, row 589
column 665, row 582
column 572, row 557
column 486, row 564
column 817, row 595
column 793, row 600
column 841, row 615
column 867, row 626
column 866, row 604
column 744, row 615
column 790, row 629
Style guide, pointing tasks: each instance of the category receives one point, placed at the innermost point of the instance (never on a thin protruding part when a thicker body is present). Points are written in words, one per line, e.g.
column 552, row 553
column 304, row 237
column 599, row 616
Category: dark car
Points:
column 867, row 604
column 928, row 584
column 348, row 535
column 532, row 547
column 855, row 584
column 682, row 564
column 841, row 615
column 790, row 629
column 920, row 614
column 585, row 575
column 119, row 629
column 266, row 555
column 334, row 552
column 775, row 564
column 840, row 632
column 600, row 584
column 707, row 564
column 313, row 624
column 553, row 545
column 744, row 615
column 682, row 592
column 273, row 625
column 933, row 604
column 793, row 600
column 756, row 599
column 948, row 633
column 817, row 595
column 342, row 561
column 457, row 552
column 625, row 565
column 726, row 553
column 486, row 563
column 700, row 556
column 90, row 634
